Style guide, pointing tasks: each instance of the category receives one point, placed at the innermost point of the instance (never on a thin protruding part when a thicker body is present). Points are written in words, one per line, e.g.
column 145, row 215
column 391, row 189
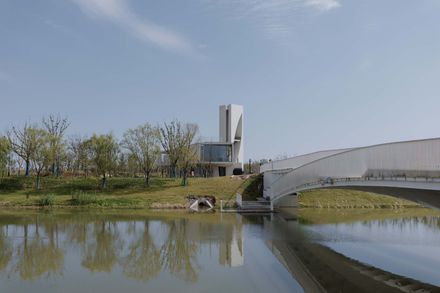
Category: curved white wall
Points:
column 295, row 162
column 409, row 159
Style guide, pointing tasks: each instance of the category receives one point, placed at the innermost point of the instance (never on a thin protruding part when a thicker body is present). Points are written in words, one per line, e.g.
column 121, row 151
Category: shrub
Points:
column 82, row 198
column 46, row 200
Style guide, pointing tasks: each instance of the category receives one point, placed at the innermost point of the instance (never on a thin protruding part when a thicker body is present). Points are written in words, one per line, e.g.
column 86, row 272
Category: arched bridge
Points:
column 408, row 164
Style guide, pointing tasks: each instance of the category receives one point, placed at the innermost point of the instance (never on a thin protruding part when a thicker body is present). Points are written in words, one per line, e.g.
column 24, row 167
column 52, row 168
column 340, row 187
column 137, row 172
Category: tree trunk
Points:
column 38, row 181
column 184, row 178
column 57, row 168
column 25, row 237
column 27, row 168
column 146, row 179
column 104, row 181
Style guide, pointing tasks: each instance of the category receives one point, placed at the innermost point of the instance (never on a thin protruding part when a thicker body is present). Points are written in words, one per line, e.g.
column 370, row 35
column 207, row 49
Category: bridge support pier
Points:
column 288, row 201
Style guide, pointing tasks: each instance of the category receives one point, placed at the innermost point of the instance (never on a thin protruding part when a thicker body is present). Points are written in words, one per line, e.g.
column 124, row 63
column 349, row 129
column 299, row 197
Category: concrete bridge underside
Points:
column 409, row 169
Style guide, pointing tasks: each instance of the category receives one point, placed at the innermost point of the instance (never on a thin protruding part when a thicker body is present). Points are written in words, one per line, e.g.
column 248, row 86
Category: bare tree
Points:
column 23, row 143
column 42, row 155
column 177, row 139
column 132, row 165
column 5, row 151
column 19, row 162
column 206, row 156
column 188, row 154
column 170, row 140
column 143, row 143
column 56, row 126
column 11, row 163
column 80, row 152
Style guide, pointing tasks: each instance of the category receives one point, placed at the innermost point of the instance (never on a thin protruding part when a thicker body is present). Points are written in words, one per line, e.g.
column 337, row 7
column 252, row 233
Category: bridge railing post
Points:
column 238, row 200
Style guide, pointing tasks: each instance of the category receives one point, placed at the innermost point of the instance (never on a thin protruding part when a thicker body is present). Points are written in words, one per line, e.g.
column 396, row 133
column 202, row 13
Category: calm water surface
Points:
column 82, row 252
column 136, row 251
column 408, row 246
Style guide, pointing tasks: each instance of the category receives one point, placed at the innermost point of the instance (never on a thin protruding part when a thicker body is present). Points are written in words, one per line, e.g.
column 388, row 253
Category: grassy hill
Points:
column 120, row 192
column 168, row 193
column 349, row 199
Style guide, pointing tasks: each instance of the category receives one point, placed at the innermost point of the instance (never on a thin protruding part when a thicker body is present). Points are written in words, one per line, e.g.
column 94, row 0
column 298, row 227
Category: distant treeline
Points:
column 43, row 149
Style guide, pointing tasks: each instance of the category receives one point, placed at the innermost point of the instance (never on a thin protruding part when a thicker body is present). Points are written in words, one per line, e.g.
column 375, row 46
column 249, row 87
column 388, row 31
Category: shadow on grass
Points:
column 8, row 185
column 253, row 189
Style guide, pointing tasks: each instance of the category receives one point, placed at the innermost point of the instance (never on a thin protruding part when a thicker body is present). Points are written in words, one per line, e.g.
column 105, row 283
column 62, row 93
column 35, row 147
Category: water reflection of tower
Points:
column 231, row 248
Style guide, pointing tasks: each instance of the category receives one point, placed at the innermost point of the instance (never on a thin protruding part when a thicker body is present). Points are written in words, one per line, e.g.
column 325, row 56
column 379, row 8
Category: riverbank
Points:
column 167, row 193
column 336, row 216
column 163, row 193
column 351, row 199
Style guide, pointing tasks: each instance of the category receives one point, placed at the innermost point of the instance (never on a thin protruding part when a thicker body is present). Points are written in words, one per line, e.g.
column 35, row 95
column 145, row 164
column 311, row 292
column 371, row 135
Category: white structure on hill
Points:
column 227, row 154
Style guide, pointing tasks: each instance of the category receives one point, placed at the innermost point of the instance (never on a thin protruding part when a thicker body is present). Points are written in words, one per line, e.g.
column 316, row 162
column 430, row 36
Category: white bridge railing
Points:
column 410, row 164
column 399, row 182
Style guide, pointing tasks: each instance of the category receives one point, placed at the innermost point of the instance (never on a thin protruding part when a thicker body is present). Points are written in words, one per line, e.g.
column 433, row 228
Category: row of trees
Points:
column 43, row 148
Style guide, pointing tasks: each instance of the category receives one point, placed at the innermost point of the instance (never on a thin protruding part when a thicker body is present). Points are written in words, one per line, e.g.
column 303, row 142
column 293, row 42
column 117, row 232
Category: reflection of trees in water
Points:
column 179, row 253
column 5, row 248
column 101, row 252
column 143, row 259
column 107, row 243
column 38, row 254
column 76, row 233
column 406, row 222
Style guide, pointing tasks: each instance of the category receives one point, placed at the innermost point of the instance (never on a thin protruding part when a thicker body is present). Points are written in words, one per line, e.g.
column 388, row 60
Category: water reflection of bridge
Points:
column 408, row 165
column 320, row 269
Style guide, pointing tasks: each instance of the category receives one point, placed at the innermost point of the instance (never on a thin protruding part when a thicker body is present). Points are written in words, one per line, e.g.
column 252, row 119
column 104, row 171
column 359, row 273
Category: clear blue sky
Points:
column 311, row 74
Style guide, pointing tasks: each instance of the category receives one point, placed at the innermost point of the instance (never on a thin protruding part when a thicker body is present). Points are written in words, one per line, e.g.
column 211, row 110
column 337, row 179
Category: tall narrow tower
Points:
column 231, row 131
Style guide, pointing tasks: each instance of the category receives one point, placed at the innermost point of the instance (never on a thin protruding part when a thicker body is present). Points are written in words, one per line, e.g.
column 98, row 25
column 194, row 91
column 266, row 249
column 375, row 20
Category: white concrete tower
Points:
column 231, row 131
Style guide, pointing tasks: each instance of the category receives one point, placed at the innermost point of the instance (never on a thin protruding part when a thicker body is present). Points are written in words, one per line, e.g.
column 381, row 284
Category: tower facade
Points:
column 231, row 131
column 226, row 154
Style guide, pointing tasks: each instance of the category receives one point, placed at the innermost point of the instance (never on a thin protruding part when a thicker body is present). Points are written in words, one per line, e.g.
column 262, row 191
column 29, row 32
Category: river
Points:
column 145, row 251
